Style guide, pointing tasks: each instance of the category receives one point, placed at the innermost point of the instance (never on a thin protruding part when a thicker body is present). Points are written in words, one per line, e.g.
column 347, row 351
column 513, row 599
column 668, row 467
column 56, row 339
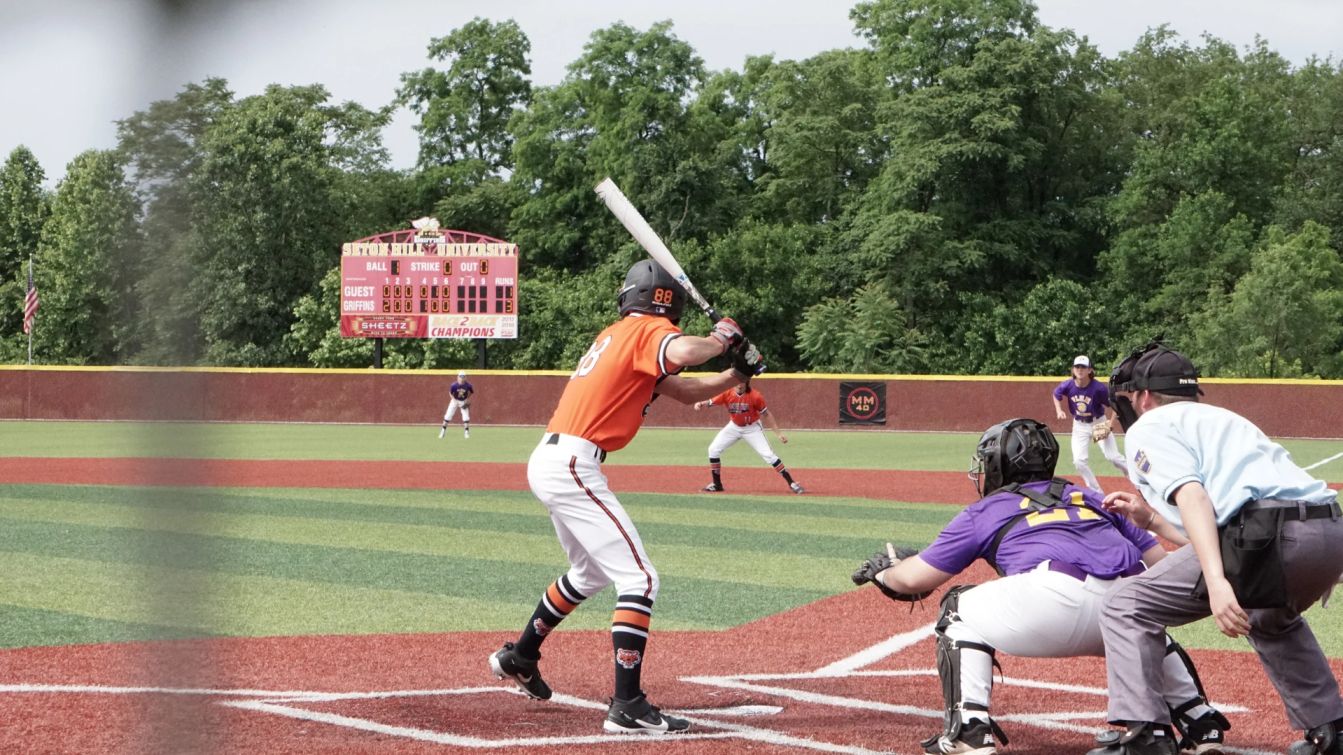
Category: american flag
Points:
column 29, row 302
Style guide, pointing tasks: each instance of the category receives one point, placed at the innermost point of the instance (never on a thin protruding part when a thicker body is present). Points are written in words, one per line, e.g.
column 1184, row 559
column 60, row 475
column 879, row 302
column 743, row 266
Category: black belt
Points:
column 554, row 440
column 1295, row 510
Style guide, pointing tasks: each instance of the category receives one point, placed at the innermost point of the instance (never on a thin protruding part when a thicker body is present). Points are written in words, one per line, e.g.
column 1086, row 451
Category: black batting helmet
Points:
column 1018, row 450
column 651, row 290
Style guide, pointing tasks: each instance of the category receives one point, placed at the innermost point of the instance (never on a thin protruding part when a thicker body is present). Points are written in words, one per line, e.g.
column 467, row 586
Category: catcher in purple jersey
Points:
column 1057, row 551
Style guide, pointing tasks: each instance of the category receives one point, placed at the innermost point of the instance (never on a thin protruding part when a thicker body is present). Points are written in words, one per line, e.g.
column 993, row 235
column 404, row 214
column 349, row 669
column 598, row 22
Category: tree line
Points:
column 967, row 192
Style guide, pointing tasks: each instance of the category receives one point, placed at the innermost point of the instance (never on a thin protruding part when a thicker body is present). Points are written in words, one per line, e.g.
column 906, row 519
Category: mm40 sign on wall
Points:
column 428, row 283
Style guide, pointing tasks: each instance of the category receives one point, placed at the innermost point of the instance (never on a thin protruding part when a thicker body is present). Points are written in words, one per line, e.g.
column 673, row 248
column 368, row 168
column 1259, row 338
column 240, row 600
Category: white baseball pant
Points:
column 753, row 434
column 1082, row 448
column 597, row 535
column 453, row 406
column 1041, row 614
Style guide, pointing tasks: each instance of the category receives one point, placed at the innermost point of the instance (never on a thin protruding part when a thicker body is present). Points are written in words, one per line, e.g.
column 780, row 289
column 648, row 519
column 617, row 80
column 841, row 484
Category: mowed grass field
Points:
column 108, row 564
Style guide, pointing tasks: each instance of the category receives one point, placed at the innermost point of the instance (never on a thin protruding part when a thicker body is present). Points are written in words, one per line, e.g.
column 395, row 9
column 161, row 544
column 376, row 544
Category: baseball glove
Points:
column 1101, row 430
column 881, row 561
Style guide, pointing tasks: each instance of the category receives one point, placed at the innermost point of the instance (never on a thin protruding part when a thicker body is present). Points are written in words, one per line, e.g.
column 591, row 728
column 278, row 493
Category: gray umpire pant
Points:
column 1138, row 610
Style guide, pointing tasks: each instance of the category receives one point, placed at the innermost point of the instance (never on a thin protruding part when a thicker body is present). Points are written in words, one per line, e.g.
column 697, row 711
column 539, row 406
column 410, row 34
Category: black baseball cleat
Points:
column 1144, row 739
column 976, row 738
column 713, row 487
column 1326, row 739
column 508, row 662
column 638, row 716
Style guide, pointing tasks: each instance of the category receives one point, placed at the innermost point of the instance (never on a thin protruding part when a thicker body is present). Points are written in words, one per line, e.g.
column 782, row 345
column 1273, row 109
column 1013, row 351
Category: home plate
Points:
column 733, row 710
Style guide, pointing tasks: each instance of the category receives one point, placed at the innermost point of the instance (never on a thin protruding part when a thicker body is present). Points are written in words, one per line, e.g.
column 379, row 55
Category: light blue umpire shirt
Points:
column 1236, row 463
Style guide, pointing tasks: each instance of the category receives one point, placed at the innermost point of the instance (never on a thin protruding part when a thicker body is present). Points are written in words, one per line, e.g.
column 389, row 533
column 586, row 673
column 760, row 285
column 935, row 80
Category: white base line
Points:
column 877, row 652
column 1322, row 462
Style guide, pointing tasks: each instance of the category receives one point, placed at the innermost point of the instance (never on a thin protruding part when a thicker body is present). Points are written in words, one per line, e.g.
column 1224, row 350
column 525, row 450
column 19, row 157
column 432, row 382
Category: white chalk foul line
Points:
column 876, row 653
column 720, row 729
column 1322, row 462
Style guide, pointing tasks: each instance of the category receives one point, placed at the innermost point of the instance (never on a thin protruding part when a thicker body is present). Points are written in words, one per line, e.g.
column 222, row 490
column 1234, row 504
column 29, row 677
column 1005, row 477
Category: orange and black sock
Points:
column 781, row 469
column 629, row 637
column 558, row 601
column 716, row 469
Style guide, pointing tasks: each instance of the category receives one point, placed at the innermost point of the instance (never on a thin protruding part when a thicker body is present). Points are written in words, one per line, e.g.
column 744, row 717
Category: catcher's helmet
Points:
column 1018, row 450
column 651, row 290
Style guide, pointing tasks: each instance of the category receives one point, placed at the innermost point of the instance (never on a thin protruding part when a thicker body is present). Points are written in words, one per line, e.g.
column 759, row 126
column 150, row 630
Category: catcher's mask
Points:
column 651, row 290
column 1018, row 450
column 1154, row 368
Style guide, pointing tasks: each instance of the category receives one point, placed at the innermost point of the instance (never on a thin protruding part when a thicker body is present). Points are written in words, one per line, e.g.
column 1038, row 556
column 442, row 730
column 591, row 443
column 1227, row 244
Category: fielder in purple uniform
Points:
column 1058, row 551
column 1087, row 402
column 461, row 392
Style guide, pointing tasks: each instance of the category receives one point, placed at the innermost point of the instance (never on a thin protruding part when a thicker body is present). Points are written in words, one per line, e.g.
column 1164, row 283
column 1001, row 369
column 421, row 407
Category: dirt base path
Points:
column 933, row 487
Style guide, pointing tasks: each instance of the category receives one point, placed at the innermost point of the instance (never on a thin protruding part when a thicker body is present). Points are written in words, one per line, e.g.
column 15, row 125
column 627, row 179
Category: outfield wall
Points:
column 1284, row 408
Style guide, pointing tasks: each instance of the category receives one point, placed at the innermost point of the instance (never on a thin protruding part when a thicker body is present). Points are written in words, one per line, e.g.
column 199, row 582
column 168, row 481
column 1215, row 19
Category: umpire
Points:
column 1263, row 547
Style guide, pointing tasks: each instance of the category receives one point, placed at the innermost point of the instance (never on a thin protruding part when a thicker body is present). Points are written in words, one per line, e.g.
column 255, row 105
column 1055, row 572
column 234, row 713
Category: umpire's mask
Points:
column 1155, row 368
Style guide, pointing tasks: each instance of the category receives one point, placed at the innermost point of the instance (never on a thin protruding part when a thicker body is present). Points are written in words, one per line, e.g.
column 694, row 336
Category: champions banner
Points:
column 862, row 403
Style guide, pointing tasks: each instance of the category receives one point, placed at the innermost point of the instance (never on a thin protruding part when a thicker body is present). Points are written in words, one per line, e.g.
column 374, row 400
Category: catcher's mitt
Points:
column 881, row 561
column 1101, row 430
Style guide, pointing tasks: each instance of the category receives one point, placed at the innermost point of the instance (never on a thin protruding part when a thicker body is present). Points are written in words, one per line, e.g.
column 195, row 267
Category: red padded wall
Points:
column 1303, row 410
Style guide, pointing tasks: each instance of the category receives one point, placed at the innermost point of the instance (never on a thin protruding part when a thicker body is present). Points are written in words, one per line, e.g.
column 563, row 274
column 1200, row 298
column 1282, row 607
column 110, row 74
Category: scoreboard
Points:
column 428, row 286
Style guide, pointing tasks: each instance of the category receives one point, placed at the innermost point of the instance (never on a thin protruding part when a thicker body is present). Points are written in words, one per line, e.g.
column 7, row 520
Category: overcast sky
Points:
column 70, row 68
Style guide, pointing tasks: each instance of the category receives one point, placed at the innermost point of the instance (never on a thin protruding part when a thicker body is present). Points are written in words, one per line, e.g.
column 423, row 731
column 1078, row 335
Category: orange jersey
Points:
column 744, row 409
column 607, row 395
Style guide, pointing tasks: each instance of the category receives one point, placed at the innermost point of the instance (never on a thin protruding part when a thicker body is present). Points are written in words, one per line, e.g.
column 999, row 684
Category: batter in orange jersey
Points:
column 745, row 408
column 630, row 363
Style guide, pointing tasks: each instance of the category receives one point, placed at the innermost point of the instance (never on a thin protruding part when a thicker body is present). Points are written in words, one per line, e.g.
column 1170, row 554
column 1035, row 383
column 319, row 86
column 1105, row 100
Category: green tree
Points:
column 867, row 332
column 1215, row 146
column 464, row 110
column 1314, row 181
column 163, row 149
column 823, row 138
column 269, row 214
column 1000, row 143
column 622, row 110
column 88, row 261
column 1285, row 316
column 24, row 206
column 1034, row 334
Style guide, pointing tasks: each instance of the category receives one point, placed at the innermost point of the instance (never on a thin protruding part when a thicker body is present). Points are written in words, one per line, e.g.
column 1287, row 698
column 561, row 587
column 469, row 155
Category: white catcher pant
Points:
column 453, row 406
column 1082, row 448
column 753, row 434
column 598, row 536
column 1041, row 614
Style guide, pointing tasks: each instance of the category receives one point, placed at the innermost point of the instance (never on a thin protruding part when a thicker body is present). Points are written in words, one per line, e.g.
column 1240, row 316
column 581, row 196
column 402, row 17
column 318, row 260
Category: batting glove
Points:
column 728, row 333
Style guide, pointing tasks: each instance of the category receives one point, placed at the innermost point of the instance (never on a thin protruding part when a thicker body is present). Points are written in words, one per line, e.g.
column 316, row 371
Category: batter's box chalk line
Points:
column 853, row 667
column 288, row 703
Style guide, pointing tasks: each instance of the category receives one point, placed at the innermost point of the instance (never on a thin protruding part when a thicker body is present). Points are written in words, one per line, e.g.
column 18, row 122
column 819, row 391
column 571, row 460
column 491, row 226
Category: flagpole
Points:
column 25, row 304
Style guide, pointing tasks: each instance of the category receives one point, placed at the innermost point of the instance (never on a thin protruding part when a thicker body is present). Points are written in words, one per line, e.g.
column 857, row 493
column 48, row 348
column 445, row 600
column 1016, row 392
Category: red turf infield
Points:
column 184, row 696
column 843, row 712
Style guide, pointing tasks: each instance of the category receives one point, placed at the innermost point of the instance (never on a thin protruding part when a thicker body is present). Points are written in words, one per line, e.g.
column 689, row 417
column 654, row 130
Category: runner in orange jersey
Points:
column 632, row 362
column 745, row 408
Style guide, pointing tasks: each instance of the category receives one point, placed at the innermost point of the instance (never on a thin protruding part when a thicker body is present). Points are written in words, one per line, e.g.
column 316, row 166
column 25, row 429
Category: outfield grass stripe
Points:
column 21, row 626
column 730, row 529
column 722, row 602
column 207, row 602
column 774, row 568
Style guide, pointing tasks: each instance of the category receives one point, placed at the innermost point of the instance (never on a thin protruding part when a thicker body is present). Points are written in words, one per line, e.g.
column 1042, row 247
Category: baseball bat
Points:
column 620, row 206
